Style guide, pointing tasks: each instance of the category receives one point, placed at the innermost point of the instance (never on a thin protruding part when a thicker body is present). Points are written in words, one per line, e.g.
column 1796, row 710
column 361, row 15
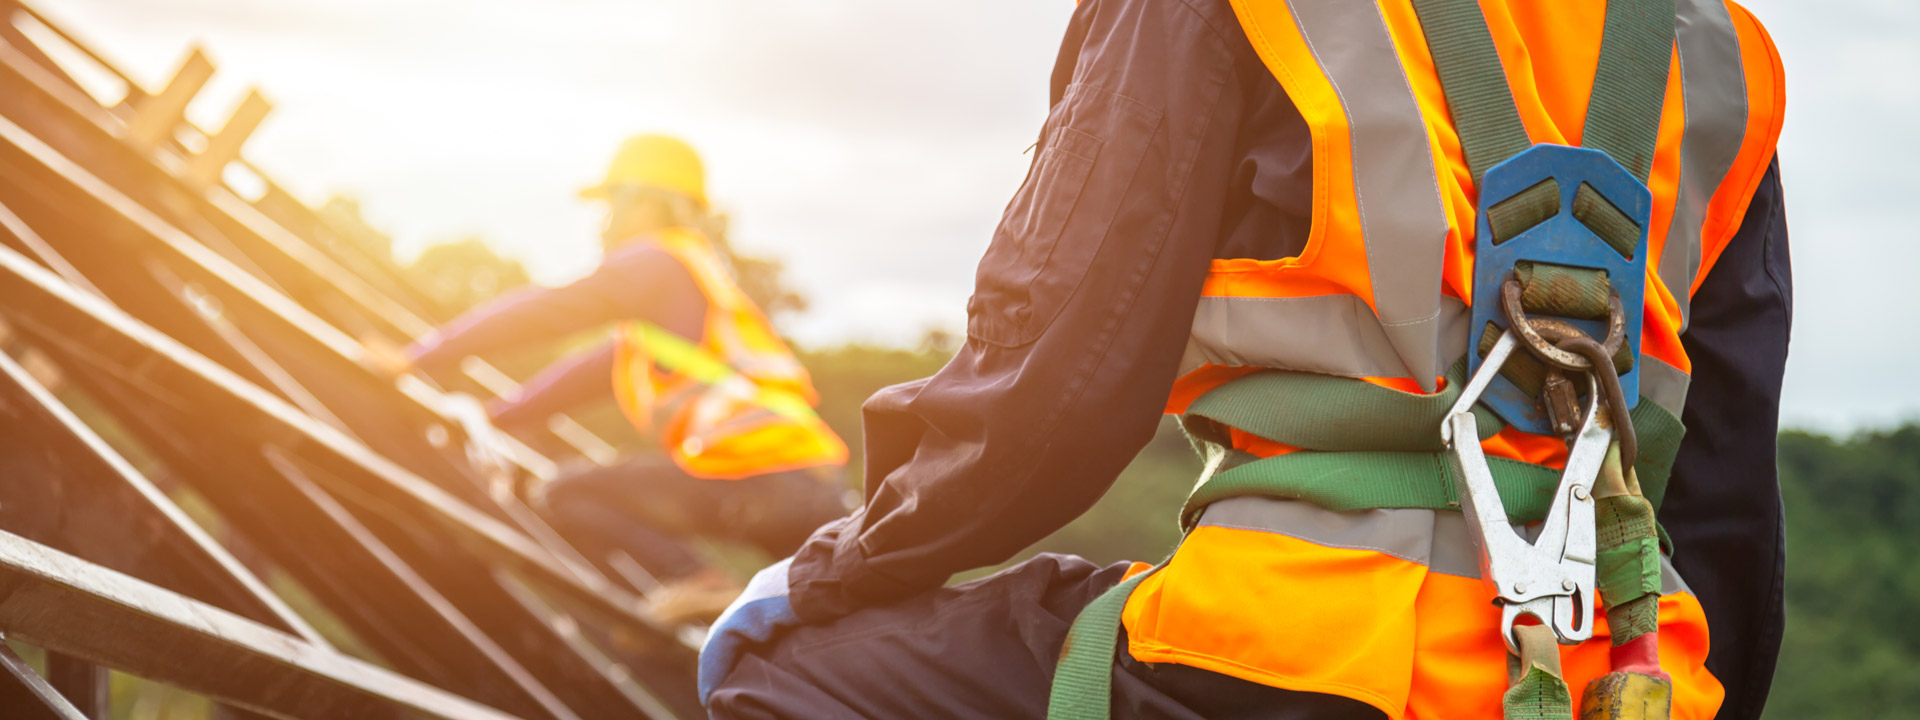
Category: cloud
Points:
column 1846, row 157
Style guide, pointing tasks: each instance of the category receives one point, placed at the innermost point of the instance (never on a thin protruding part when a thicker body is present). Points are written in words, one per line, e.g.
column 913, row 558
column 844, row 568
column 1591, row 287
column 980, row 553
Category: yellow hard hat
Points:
column 653, row 161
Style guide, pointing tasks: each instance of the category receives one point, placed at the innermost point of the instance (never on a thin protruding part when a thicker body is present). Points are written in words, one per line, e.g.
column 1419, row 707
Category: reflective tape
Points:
column 1396, row 203
column 1328, row 334
column 1714, row 87
column 1663, row 384
column 1437, row 539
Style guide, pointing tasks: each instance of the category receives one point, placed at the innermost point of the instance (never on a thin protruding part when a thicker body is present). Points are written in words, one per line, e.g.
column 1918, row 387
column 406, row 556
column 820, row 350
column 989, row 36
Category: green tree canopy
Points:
column 464, row 273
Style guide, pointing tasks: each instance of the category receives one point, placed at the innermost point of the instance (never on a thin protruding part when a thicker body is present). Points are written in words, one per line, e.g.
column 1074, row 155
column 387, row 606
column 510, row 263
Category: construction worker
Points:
column 694, row 364
column 1264, row 216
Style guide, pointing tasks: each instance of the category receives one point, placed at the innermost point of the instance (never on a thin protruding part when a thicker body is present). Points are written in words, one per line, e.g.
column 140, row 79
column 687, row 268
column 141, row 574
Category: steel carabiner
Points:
column 1552, row 576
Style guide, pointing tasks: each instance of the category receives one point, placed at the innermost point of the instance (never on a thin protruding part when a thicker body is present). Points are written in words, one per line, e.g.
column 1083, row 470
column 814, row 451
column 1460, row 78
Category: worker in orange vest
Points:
column 1433, row 284
column 693, row 363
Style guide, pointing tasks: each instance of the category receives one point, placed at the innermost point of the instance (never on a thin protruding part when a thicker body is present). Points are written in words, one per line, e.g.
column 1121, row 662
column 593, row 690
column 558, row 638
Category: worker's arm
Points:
column 570, row 381
column 639, row 282
column 1722, row 508
column 1081, row 310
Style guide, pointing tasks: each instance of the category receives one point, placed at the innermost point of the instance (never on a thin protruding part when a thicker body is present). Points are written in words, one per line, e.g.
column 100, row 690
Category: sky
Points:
column 872, row 144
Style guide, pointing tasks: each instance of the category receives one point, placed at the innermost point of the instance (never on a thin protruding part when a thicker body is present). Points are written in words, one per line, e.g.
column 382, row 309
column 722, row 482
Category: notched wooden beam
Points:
column 65, row 604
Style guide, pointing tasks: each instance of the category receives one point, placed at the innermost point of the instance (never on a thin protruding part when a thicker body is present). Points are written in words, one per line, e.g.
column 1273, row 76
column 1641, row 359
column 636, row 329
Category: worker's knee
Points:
column 928, row 655
column 762, row 687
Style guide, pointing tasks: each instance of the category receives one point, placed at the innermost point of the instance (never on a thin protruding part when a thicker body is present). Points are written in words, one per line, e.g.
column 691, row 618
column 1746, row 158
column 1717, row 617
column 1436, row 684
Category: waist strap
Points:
column 1364, row 446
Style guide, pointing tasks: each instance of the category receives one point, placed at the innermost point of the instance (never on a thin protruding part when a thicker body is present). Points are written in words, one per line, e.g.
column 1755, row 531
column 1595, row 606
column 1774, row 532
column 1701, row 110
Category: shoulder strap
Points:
column 1629, row 86
column 1474, row 82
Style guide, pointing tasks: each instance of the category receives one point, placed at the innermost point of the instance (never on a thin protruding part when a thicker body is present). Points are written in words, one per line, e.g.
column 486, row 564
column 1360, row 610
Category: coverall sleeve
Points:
column 570, row 381
column 1080, row 314
column 1723, row 507
column 638, row 283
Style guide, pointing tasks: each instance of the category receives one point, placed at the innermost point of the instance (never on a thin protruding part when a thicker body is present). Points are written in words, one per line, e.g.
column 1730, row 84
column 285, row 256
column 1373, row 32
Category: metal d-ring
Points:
column 1534, row 333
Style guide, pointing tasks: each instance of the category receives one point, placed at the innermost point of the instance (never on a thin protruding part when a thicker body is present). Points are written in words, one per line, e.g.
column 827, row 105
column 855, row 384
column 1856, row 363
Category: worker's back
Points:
column 1390, row 600
column 732, row 401
column 1265, row 217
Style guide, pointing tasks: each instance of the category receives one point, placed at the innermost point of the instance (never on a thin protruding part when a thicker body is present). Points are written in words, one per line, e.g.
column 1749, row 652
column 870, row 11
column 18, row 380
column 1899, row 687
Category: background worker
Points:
column 693, row 363
column 1179, row 197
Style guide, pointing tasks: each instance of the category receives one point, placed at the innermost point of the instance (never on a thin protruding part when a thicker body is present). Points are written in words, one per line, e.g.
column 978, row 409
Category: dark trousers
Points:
column 985, row 649
column 648, row 508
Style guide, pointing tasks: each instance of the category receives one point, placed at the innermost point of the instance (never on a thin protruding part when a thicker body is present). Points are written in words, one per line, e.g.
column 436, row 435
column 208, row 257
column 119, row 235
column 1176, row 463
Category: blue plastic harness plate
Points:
column 1561, row 240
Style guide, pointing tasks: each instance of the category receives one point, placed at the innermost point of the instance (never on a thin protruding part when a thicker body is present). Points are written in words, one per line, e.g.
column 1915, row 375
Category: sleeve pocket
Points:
column 1056, row 224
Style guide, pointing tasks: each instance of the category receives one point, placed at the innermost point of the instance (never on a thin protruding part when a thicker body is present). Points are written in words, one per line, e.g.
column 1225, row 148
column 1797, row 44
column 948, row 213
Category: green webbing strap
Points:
column 1527, row 208
column 1619, row 231
column 1628, row 563
column 1365, row 480
column 1083, row 681
column 1563, row 291
column 1659, row 433
column 1322, row 412
column 1627, row 566
column 1374, row 456
column 1537, row 696
column 1537, row 690
column 1630, row 84
column 1475, row 83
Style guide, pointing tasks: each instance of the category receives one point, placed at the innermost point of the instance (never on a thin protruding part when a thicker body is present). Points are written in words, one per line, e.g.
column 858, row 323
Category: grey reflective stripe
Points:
column 1453, row 552
column 1670, row 581
column 1663, row 384
column 1436, row 539
column 1395, row 188
column 1714, row 89
column 1328, row 334
column 1405, row 533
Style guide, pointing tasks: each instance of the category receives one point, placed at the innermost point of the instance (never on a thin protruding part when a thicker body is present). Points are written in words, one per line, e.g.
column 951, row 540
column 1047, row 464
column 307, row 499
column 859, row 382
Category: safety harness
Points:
column 1560, row 272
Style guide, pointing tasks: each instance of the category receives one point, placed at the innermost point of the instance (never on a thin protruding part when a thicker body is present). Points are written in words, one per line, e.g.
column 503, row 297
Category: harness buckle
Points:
column 1550, row 577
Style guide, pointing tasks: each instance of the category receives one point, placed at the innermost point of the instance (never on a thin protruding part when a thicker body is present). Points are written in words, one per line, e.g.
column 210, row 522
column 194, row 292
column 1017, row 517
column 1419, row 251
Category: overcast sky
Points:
column 873, row 143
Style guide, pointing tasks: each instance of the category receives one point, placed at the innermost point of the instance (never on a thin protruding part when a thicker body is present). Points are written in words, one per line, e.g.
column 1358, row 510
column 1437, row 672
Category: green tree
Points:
column 464, row 273
column 1853, row 526
column 341, row 215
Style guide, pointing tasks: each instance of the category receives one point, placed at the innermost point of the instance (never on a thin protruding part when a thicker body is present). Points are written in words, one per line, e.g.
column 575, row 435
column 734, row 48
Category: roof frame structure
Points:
column 219, row 338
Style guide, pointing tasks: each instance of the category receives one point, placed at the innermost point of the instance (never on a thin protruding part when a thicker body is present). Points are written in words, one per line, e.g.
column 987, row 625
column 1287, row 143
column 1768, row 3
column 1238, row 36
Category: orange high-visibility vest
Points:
column 1385, row 606
column 735, row 402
